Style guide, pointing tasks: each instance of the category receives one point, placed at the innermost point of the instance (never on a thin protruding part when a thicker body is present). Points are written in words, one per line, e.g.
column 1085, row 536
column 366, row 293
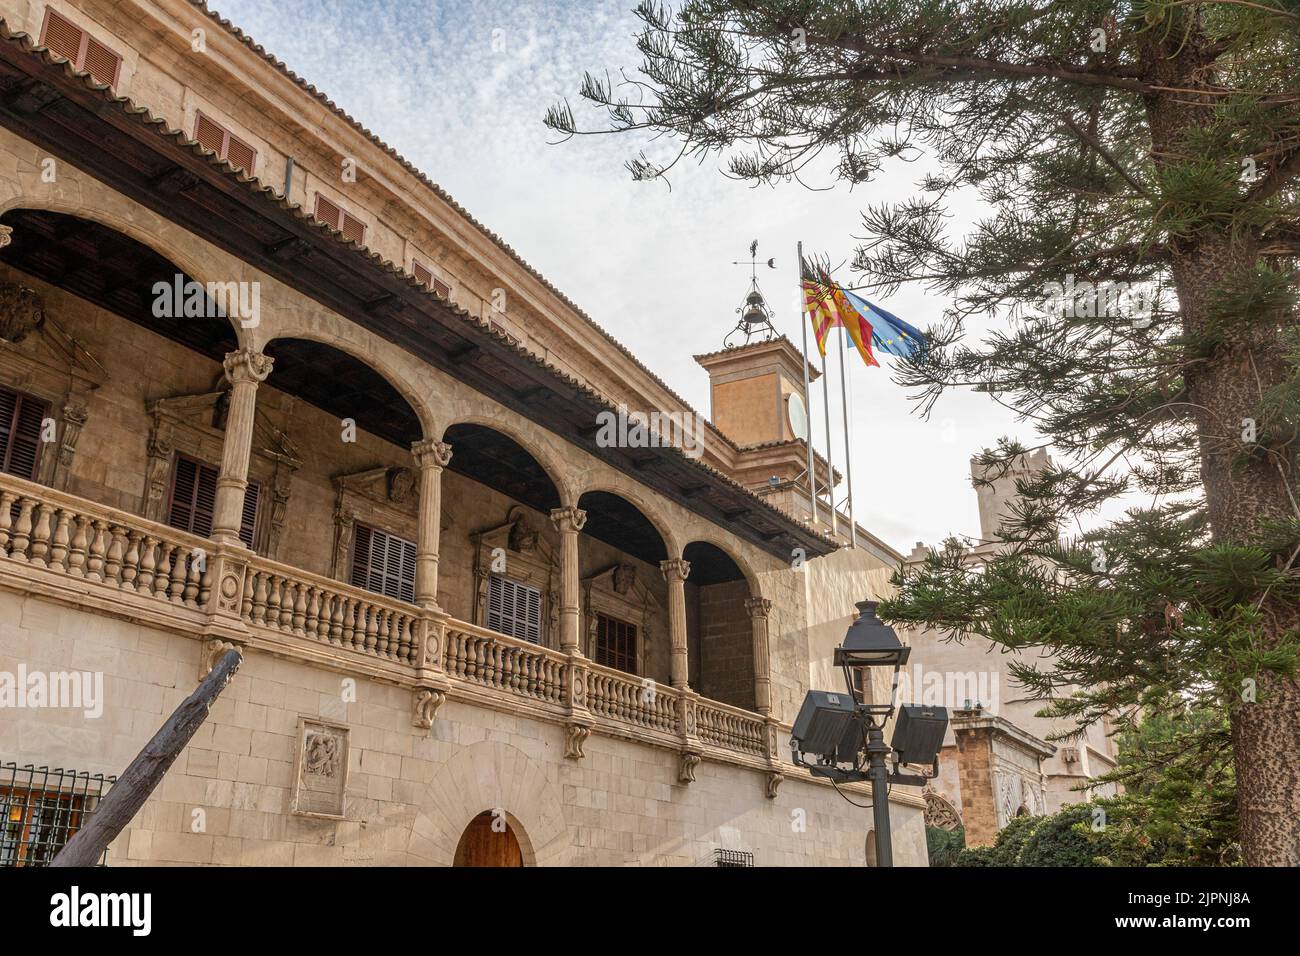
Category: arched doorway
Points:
column 719, row 631
column 489, row 841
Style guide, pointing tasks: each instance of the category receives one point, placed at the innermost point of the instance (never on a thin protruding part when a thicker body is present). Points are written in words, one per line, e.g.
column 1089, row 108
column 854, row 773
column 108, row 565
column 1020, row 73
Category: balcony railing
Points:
column 66, row 548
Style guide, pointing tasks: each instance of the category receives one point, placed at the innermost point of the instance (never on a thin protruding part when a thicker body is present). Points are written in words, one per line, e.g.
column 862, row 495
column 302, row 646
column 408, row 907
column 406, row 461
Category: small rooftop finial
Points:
column 755, row 316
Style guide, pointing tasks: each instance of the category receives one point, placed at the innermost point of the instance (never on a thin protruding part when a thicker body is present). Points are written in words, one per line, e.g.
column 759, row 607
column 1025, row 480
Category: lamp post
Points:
column 850, row 731
column 872, row 643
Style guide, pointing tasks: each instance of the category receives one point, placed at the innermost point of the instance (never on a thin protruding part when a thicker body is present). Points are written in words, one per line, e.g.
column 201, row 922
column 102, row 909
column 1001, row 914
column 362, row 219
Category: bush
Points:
column 944, row 846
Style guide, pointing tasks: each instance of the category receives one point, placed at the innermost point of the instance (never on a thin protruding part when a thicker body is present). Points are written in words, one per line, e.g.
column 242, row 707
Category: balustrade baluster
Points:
column 311, row 620
column 148, row 561
column 40, row 546
column 22, row 529
column 98, row 551
column 79, row 547
column 116, row 548
column 163, row 573
column 195, row 561
column 7, row 499
column 59, row 542
column 130, row 561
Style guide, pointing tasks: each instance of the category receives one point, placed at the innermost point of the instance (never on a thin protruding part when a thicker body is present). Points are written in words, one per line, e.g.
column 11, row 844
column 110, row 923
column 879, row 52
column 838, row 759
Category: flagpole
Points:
column 830, row 458
column 848, row 451
column 803, row 325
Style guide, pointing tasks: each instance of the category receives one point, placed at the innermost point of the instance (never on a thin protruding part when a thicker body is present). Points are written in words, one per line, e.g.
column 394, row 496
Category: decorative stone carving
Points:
column 576, row 736
column 523, row 537
column 74, row 418
column 425, row 706
column 758, row 607
column 22, row 311
column 686, row 767
column 6, row 235
column 213, row 650
column 401, row 484
column 320, row 769
column 247, row 365
column 940, row 811
column 429, row 451
column 624, row 578
column 774, row 780
column 568, row 519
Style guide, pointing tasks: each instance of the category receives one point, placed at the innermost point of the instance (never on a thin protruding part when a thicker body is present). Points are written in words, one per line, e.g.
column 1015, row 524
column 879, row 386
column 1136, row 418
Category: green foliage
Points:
column 944, row 845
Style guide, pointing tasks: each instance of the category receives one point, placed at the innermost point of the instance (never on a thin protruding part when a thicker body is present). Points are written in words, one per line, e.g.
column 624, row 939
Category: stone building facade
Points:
column 267, row 388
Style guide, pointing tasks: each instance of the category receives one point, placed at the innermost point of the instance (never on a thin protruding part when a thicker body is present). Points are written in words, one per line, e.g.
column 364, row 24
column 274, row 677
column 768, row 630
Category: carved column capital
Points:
column 247, row 365
column 758, row 607
column 6, row 235
column 675, row 569
column 431, row 453
column 568, row 519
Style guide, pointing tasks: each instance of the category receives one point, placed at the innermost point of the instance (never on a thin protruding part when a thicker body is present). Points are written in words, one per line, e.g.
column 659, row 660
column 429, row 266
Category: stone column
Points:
column 244, row 369
column 676, row 572
column 569, row 521
column 432, row 457
column 758, row 608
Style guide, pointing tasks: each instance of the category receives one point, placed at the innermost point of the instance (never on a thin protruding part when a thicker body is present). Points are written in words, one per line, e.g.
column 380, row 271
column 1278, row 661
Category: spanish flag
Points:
column 829, row 307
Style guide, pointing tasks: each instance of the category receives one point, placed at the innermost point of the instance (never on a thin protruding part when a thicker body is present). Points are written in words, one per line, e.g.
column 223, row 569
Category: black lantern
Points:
column 870, row 642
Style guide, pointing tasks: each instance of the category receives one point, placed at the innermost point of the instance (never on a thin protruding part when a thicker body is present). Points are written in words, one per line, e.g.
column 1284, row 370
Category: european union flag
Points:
column 889, row 333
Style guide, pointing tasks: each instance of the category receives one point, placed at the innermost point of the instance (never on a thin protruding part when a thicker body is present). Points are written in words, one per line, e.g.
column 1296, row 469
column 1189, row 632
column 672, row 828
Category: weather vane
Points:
column 755, row 316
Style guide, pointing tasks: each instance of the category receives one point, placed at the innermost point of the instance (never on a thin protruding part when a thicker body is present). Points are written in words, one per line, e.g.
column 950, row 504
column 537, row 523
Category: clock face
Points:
column 797, row 415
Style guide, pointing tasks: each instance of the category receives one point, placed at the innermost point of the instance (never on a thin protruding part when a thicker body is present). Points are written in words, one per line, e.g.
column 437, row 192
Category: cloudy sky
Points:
column 460, row 87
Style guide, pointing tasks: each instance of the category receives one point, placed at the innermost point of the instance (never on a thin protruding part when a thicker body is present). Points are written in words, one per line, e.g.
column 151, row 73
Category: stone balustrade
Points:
column 53, row 531
column 50, row 538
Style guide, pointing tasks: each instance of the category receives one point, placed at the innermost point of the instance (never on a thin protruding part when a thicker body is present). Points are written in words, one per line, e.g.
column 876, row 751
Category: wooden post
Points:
column 146, row 771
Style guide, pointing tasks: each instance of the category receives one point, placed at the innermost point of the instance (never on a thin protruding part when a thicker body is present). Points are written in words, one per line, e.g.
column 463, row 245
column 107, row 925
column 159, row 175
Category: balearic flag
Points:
column 828, row 306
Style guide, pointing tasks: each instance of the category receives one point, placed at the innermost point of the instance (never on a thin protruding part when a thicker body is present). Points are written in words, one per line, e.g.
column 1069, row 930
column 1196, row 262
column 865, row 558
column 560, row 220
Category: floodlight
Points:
column 919, row 732
column 827, row 727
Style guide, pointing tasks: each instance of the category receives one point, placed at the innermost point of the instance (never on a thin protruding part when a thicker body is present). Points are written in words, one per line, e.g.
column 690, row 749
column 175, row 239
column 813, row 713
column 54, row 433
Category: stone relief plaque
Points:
column 320, row 769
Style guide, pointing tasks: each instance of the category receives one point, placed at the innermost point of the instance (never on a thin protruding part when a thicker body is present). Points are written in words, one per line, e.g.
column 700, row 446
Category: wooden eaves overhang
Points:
column 81, row 122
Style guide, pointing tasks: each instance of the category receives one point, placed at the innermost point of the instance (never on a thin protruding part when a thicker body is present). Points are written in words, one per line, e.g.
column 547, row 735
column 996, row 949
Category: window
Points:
column 616, row 643
column 63, row 38
column 194, row 500
column 383, row 563
column 40, row 810
column 424, row 275
column 21, row 417
column 212, row 135
column 514, row 609
column 336, row 217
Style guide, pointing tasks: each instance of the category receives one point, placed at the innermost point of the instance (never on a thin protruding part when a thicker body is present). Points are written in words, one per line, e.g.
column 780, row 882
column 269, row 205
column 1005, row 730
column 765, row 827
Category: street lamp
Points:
column 842, row 734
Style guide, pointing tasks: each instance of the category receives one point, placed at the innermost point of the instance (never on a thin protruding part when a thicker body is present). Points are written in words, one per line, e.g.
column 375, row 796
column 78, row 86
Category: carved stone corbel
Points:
column 575, row 737
column 214, row 648
column 774, row 780
column 686, row 767
column 425, row 706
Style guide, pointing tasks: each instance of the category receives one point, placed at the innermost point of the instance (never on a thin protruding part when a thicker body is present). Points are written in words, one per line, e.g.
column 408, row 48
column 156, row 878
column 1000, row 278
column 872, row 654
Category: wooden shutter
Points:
column 209, row 135
column 248, row 520
column 354, row 229
column 21, row 418
column 64, row 38
column 421, row 273
column 101, row 62
column 383, row 563
column 240, row 154
column 441, row 288
column 194, row 496
column 327, row 212
column 616, row 643
column 514, row 609
column 61, row 37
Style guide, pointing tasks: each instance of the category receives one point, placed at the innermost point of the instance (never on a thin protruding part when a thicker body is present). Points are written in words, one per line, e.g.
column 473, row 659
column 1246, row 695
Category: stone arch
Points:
column 639, row 502
column 369, row 357
column 745, row 568
column 489, row 775
column 543, row 456
column 163, row 237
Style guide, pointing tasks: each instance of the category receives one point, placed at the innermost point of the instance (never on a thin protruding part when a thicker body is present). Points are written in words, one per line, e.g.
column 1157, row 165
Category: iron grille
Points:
column 732, row 858
column 40, row 810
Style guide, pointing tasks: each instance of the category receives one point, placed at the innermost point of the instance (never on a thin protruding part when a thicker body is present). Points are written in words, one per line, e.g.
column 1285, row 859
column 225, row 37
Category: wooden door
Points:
column 480, row 845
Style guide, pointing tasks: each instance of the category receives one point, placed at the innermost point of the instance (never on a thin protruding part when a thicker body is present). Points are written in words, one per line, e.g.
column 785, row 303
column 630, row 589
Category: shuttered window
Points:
column 616, row 643
column 336, row 217
column 64, row 38
column 514, row 609
column 383, row 563
column 21, row 417
column 212, row 135
column 194, row 500
column 424, row 275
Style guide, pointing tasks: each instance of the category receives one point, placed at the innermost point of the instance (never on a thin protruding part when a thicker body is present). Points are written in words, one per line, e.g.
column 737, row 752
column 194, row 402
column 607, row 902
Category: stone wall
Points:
column 726, row 644
column 409, row 793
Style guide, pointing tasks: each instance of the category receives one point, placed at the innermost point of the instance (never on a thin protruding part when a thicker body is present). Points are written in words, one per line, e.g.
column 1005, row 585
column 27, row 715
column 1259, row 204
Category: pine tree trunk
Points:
column 1243, row 491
